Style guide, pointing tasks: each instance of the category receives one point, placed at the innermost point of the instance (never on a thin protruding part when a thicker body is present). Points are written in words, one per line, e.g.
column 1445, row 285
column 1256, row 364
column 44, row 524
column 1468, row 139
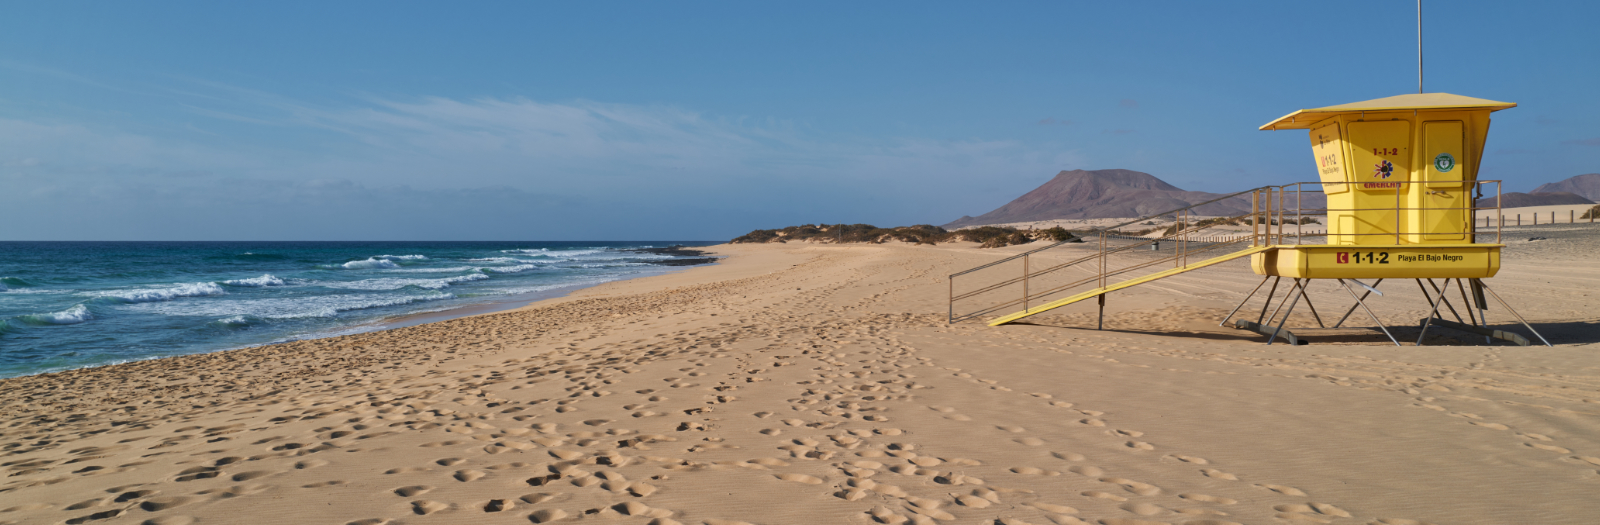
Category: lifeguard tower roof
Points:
column 1306, row 118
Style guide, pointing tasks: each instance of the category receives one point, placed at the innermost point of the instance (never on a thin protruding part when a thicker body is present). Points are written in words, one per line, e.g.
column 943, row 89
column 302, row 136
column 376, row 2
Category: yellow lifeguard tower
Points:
column 1398, row 185
column 1398, row 174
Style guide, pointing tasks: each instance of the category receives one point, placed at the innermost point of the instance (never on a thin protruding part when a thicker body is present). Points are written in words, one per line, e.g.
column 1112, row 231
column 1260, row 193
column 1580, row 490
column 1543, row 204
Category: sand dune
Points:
column 820, row 384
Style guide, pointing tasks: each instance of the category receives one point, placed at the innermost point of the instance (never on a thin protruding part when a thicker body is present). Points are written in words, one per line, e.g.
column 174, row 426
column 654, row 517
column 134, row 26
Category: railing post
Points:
column 1025, row 282
column 1255, row 220
column 1397, row 193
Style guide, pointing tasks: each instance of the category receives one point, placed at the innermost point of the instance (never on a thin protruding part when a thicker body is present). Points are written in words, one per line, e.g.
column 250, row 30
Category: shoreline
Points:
column 505, row 303
column 820, row 384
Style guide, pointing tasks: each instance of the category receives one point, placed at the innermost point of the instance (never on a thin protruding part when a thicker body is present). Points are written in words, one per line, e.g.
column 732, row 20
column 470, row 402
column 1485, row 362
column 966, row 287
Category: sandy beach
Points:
column 796, row 383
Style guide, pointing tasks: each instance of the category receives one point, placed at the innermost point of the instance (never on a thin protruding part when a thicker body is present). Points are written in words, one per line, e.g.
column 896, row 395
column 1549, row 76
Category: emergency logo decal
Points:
column 1444, row 163
column 1383, row 169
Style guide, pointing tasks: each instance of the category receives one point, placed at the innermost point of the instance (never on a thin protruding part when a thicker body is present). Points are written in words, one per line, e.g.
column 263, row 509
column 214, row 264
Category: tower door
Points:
column 1445, row 200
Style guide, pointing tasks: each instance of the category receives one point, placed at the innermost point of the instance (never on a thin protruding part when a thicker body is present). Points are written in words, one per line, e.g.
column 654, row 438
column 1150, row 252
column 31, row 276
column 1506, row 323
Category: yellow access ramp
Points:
column 1129, row 284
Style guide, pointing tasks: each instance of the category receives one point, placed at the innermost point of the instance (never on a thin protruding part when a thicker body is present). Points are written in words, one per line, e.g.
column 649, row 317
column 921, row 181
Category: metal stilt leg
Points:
column 1264, row 306
column 1286, row 297
column 1286, row 314
column 1374, row 317
column 1313, row 308
column 1246, row 300
column 1431, row 314
column 1513, row 312
column 1467, row 305
column 1358, row 301
column 1446, row 301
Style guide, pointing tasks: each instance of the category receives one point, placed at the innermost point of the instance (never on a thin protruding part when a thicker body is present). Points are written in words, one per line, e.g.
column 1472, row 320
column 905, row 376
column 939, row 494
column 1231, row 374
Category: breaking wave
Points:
column 257, row 282
column 370, row 264
column 74, row 315
column 396, row 283
column 512, row 269
column 164, row 294
column 7, row 283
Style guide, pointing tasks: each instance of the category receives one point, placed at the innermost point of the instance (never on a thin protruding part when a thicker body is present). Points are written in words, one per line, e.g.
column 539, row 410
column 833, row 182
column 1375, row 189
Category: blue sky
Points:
column 704, row 120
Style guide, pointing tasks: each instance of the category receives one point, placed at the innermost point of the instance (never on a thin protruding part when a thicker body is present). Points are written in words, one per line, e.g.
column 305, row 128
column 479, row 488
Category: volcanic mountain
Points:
column 1082, row 194
column 1587, row 185
column 1517, row 199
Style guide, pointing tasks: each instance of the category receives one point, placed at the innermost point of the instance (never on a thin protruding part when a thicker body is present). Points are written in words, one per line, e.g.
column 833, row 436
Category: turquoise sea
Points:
column 67, row 305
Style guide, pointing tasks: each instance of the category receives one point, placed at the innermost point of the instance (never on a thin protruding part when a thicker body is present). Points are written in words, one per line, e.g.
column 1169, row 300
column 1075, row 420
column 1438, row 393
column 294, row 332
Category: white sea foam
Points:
column 434, row 270
column 237, row 320
column 164, row 294
column 557, row 253
column 402, row 257
column 369, row 264
column 285, row 307
column 512, row 269
column 257, row 282
column 74, row 315
column 396, row 283
column 495, row 259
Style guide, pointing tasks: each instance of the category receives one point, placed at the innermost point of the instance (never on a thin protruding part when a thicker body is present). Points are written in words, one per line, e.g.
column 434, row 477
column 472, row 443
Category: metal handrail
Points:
column 1145, row 218
column 1270, row 206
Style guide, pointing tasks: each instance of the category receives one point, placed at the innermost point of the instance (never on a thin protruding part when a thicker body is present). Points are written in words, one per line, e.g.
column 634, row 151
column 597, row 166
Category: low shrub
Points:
column 985, row 236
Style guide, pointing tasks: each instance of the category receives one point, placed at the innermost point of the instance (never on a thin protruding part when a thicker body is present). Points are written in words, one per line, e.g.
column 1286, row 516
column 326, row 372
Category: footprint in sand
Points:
column 1030, row 441
column 1104, row 495
column 1313, row 508
column 1282, row 489
column 1190, row 459
column 1214, row 473
column 1069, row 456
column 1142, row 489
column 412, row 491
column 1032, row 471
column 1086, row 470
column 1549, row 448
column 310, row 463
column 450, row 462
column 1011, row 428
column 247, row 476
column 1204, row 498
column 468, row 475
column 164, row 503
column 170, row 520
column 1145, row 509
column 425, row 507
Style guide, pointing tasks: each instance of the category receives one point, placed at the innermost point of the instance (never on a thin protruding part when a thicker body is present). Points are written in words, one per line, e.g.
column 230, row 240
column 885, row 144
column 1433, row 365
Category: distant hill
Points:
column 1517, row 199
column 1587, row 185
column 1097, row 194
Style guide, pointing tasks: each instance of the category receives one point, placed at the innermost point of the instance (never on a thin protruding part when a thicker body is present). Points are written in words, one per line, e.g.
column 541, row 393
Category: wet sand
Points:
column 821, row 384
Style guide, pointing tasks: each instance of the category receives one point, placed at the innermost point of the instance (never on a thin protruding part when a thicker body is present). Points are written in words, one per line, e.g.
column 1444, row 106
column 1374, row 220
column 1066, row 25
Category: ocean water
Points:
column 67, row 305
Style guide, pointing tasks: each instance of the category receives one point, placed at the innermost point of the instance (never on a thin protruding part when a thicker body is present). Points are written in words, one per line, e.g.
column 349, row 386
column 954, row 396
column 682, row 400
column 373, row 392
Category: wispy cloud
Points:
column 245, row 146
